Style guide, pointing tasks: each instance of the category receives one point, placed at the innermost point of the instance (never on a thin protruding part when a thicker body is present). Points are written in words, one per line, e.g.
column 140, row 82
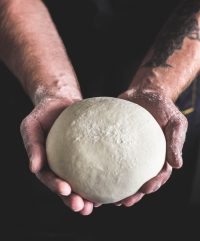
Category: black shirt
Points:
column 107, row 39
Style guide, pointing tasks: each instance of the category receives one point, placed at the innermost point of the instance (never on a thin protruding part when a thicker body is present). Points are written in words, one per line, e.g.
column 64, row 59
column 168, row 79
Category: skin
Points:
column 29, row 40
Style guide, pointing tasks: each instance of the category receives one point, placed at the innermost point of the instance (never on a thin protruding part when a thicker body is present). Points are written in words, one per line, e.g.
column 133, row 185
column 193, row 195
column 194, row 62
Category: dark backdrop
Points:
column 106, row 43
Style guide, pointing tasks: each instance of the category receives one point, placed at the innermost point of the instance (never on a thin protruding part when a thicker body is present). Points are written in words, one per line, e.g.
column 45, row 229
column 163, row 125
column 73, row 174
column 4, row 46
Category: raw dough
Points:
column 106, row 148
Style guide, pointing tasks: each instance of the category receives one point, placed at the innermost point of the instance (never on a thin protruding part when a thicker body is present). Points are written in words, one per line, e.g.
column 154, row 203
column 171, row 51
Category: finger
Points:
column 33, row 138
column 96, row 205
column 54, row 183
column 48, row 111
column 155, row 183
column 88, row 208
column 127, row 94
column 130, row 201
column 121, row 201
column 175, row 133
column 118, row 204
column 74, row 201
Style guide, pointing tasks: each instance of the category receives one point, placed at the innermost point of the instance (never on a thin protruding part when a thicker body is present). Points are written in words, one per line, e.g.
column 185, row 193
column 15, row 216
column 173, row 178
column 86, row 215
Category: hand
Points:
column 34, row 129
column 174, row 126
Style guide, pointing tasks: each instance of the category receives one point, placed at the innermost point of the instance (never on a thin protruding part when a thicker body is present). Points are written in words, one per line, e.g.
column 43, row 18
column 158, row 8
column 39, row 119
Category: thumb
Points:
column 33, row 138
column 175, row 133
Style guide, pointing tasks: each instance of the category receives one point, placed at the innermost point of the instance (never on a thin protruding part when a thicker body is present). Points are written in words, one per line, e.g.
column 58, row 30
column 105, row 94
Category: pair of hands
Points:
column 36, row 125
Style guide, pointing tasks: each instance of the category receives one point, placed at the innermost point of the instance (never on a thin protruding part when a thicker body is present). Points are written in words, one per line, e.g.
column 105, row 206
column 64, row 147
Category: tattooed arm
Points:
column 167, row 70
column 174, row 60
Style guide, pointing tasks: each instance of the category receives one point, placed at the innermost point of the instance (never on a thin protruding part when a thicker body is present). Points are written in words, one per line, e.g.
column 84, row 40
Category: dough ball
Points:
column 105, row 148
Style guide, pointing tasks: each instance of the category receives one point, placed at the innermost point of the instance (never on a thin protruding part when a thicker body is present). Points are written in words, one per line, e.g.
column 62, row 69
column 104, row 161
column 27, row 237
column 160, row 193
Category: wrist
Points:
column 157, row 80
column 147, row 85
column 64, row 87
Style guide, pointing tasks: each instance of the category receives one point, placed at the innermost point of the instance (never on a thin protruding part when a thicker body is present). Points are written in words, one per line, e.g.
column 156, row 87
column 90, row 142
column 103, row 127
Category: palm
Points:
column 174, row 126
column 34, row 129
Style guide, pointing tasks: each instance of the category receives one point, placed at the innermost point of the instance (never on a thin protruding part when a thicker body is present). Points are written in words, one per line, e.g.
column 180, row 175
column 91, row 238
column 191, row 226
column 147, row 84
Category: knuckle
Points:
column 175, row 123
column 24, row 124
column 168, row 168
column 178, row 163
column 28, row 147
column 184, row 121
column 179, row 121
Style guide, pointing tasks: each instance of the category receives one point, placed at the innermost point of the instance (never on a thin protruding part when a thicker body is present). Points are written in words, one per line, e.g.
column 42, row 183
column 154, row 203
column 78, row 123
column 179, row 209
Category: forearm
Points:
column 174, row 60
column 32, row 49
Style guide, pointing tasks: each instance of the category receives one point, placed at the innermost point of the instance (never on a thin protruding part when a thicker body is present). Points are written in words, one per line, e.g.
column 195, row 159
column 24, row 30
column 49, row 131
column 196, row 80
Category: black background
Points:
column 105, row 48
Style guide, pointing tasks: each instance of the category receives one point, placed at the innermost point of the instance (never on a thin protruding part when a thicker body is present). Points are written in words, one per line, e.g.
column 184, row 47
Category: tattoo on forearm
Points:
column 183, row 23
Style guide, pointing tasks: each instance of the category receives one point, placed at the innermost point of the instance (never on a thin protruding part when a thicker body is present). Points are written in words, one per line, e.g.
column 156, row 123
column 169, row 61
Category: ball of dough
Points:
column 105, row 148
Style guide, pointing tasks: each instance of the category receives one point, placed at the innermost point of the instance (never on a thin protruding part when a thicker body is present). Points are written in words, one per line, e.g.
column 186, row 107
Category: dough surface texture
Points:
column 105, row 148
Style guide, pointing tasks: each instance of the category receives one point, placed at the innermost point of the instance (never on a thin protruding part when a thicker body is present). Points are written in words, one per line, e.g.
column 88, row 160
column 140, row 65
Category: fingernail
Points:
column 65, row 190
column 156, row 188
column 75, row 210
column 118, row 204
column 97, row 205
column 31, row 166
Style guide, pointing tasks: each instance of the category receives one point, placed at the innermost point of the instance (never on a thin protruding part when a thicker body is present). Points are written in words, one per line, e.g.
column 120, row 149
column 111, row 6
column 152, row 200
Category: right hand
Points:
column 34, row 129
column 174, row 126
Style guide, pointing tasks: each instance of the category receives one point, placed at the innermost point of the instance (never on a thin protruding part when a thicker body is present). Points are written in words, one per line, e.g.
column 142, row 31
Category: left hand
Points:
column 34, row 130
column 174, row 126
